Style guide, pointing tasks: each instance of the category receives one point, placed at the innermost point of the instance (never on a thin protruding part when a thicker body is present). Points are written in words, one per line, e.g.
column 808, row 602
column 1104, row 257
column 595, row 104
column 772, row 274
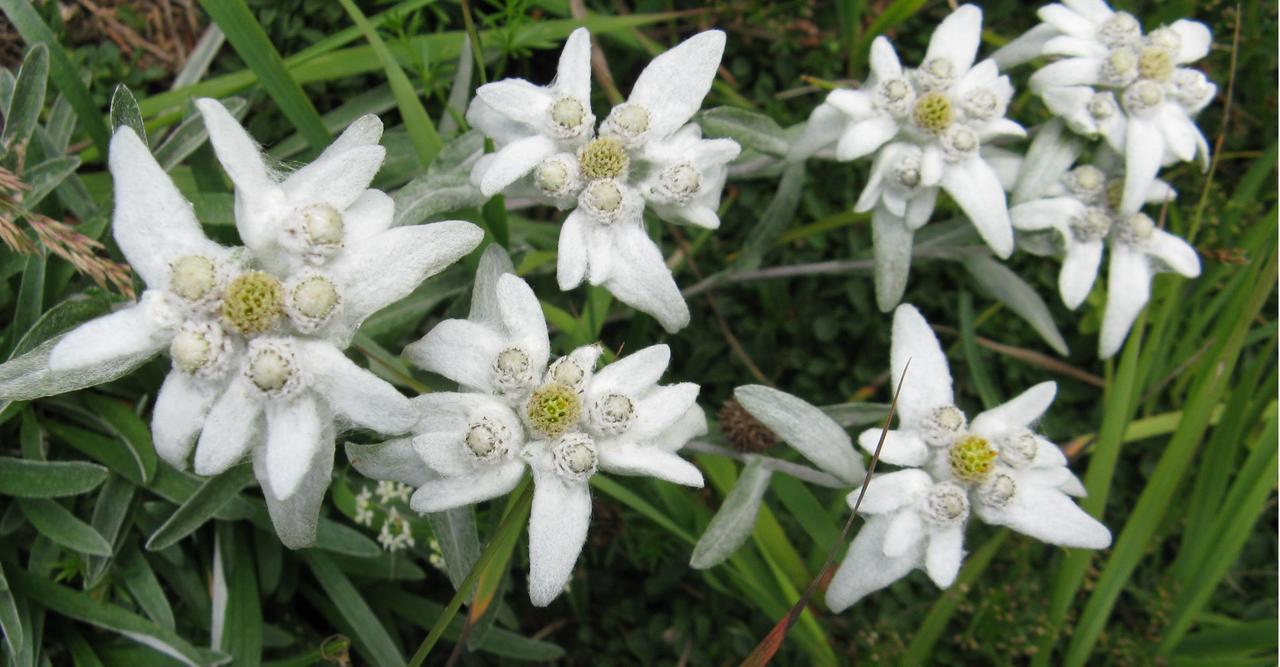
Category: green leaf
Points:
column 23, row 112
column 30, row 295
column 749, row 128
column 733, row 523
column 58, row 524
column 1048, row 158
column 82, row 607
column 503, row 643
column 111, row 452
column 63, row 317
column 242, row 614
column 380, row 649
column 143, row 586
column 48, row 479
column 46, row 176
column 129, row 428
column 422, row 132
column 1008, row 288
column 935, row 622
column 774, row 220
column 112, row 511
column 455, row 530
column 10, row 619
column 252, row 44
column 125, row 113
column 191, row 134
column 200, row 507
column 65, row 74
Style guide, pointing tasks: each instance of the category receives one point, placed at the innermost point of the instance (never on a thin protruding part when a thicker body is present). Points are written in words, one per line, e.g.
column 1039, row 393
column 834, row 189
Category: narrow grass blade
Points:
column 352, row 606
column 200, row 507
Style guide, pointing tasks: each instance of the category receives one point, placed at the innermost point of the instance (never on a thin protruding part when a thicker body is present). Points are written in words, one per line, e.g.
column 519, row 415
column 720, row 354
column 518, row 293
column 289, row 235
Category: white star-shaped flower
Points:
column 927, row 128
column 1109, row 79
column 1082, row 210
column 646, row 153
column 995, row 467
column 564, row 421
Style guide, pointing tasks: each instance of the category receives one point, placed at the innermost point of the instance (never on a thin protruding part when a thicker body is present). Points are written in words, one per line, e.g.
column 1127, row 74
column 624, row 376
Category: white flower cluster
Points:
column 995, row 467
column 518, row 410
column 646, row 153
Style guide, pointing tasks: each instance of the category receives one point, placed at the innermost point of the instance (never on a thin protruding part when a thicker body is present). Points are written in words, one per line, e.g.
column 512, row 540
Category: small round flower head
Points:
column 512, row 370
column 557, row 177
column 936, row 74
column 273, row 367
column 678, row 184
column 627, row 122
column 1120, row 28
column 947, row 504
column 317, row 232
column 959, row 142
column 1087, row 183
column 574, row 455
column 971, row 459
column 604, row 200
column 488, row 439
column 1136, row 229
column 569, row 118
column 895, row 96
column 253, row 303
column 194, row 278
column 312, row 300
column 1018, row 448
column 613, row 414
column 944, row 425
column 1094, row 225
column 1143, row 98
column 553, row 409
column 997, row 490
column 567, row 372
column 200, row 348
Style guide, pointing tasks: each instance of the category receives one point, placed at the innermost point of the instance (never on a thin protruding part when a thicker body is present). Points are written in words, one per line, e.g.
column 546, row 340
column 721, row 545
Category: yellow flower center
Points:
column 552, row 409
column 972, row 459
column 602, row 158
column 1155, row 63
column 253, row 302
column 933, row 112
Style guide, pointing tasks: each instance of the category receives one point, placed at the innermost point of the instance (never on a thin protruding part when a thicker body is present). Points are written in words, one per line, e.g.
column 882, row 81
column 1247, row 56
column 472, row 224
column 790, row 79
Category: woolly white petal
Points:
column 515, row 160
column 806, row 428
column 494, row 262
column 335, row 179
column 633, row 373
column 1144, row 147
column 856, row 104
column 864, row 138
column 522, row 316
column 944, row 555
column 1097, row 11
column 181, row 406
column 920, row 208
column 29, row 376
column 517, row 100
column 1025, row 47
column 932, row 165
column 353, row 392
column 889, row 492
column 956, row 38
column 558, row 523
column 1079, row 272
column 659, row 409
column 906, row 531
column 1128, row 288
column 892, row 240
column 1194, row 40
column 153, row 223
column 1178, row 131
column 884, row 60
column 571, row 255
column 901, row 447
column 127, row 333
column 1066, row 20
column 691, row 424
column 1049, row 213
column 1048, row 515
column 644, row 282
column 825, row 125
column 445, row 452
column 363, row 131
column 1067, row 72
column 672, row 86
column 927, row 384
column 865, row 569
column 232, row 427
column 460, row 350
column 446, row 493
column 390, row 265
column 393, row 460
column 294, row 431
column 1071, row 103
column 1048, row 455
column 237, row 151
column 973, row 184
column 627, row 458
column 1018, row 412
column 1173, row 252
column 295, row 518
column 370, row 214
column 573, row 73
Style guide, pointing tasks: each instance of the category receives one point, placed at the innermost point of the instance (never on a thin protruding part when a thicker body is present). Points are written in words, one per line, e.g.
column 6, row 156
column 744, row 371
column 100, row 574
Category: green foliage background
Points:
column 1181, row 453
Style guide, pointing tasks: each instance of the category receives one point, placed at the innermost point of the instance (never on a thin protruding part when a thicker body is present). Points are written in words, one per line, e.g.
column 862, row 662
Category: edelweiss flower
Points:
column 563, row 421
column 1112, row 80
column 1083, row 210
column 995, row 467
column 928, row 128
column 646, row 152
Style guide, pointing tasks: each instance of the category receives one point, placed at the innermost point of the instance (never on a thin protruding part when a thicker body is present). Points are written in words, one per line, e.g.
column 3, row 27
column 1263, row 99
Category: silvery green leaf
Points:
column 6, row 87
column 190, row 135
column 1006, row 287
column 458, row 153
column 46, row 176
column 850, row 415
column 61, row 124
column 460, row 92
column 1050, row 155
column 200, row 58
column 750, row 129
column 736, row 518
column 10, row 619
column 23, row 111
column 806, row 428
column 432, row 194
column 28, row 376
column 455, row 530
column 1040, row 244
column 780, row 212
column 125, row 113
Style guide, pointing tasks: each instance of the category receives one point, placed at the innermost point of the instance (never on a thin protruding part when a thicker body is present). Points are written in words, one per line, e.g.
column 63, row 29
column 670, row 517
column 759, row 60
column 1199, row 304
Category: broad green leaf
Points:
column 1008, row 288
column 349, row 603
column 200, row 507
column 455, row 530
column 57, row 523
column 23, row 112
column 735, row 520
column 87, row 609
column 750, row 129
column 64, row 72
column 128, row 427
column 806, row 428
column 125, row 113
column 250, row 41
column 48, row 479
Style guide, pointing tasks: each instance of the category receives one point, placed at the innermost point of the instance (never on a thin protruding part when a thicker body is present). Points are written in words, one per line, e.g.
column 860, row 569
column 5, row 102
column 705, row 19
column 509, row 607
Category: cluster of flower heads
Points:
column 995, row 467
column 646, row 153
column 933, row 127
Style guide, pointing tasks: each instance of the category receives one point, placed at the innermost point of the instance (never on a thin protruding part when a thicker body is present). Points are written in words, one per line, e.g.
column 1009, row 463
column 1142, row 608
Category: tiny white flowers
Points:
column 564, row 420
column 927, row 128
column 1083, row 211
column 1110, row 79
column 646, row 153
column 994, row 467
